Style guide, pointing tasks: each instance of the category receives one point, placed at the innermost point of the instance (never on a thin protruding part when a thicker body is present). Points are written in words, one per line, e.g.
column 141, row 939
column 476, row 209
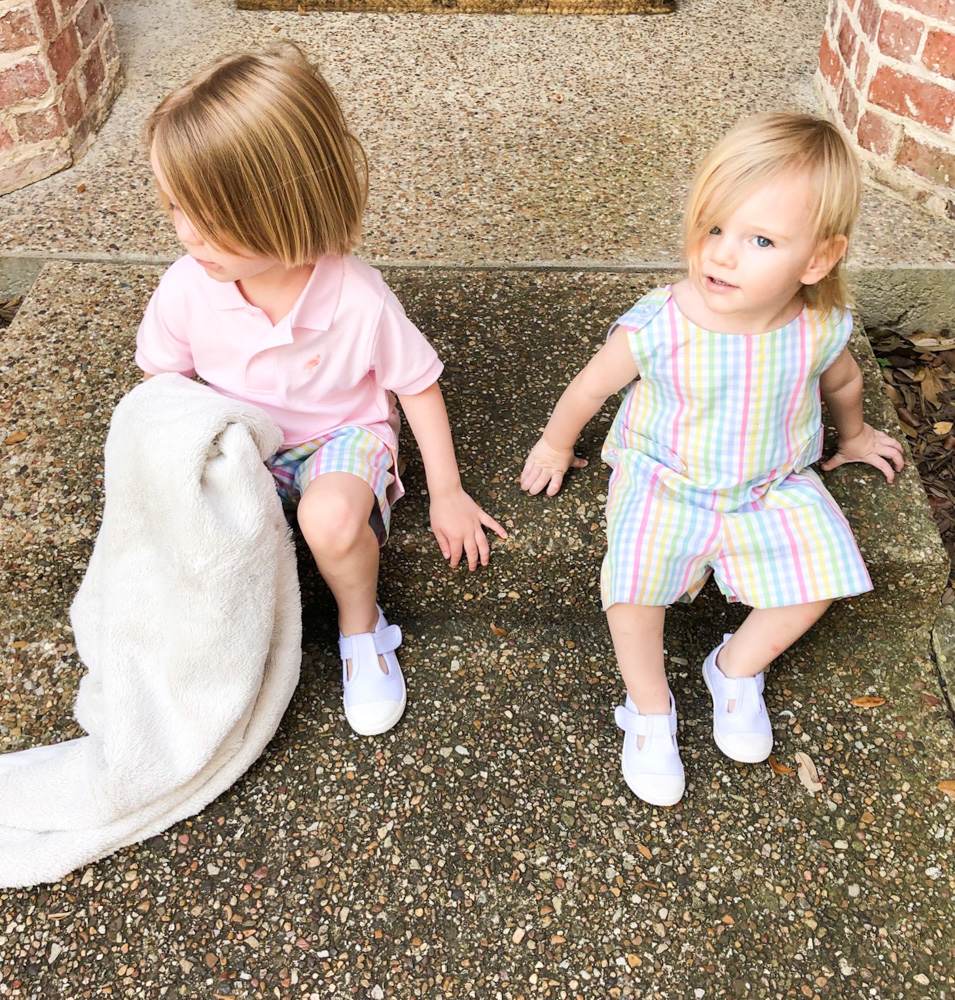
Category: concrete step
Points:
column 507, row 140
column 511, row 340
column 494, row 815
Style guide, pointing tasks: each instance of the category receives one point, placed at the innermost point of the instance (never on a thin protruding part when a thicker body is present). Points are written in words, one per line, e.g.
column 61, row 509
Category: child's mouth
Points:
column 716, row 283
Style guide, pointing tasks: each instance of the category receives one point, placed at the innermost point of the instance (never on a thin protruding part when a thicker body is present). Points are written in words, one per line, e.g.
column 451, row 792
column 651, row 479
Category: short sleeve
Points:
column 838, row 326
column 404, row 361
column 160, row 344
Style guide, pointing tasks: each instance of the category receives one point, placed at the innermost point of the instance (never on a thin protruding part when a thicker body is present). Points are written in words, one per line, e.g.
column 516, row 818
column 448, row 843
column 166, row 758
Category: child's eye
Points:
column 715, row 231
column 763, row 242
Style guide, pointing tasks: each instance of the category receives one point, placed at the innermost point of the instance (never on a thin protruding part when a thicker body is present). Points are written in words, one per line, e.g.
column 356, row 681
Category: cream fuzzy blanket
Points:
column 189, row 622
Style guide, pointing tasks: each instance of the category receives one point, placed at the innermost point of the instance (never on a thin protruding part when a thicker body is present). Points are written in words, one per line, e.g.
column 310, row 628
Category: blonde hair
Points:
column 256, row 152
column 758, row 151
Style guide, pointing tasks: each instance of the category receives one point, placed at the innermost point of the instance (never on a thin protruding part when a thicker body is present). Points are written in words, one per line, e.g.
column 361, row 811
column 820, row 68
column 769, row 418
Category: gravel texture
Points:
column 487, row 846
column 495, row 139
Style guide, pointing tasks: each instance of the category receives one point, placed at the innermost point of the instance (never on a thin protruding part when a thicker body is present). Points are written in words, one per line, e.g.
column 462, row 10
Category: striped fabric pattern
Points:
column 346, row 449
column 710, row 449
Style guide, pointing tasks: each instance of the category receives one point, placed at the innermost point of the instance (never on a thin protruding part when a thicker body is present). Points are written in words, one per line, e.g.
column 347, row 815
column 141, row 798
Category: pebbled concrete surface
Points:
column 511, row 140
column 486, row 847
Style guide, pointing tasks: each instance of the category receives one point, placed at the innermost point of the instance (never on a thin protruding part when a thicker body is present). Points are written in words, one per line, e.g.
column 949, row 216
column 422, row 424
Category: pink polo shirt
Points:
column 335, row 360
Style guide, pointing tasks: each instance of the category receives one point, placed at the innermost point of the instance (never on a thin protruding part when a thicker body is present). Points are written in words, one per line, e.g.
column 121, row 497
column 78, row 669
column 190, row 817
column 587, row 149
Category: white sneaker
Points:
column 744, row 734
column 653, row 772
column 374, row 700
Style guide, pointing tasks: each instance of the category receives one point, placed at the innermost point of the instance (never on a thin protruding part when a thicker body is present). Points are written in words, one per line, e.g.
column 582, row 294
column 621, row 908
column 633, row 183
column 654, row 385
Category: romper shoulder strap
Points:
column 643, row 311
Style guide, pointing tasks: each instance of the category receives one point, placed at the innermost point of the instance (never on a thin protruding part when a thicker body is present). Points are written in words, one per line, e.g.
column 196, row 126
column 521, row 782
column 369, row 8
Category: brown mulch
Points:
column 919, row 372
column 8, row 309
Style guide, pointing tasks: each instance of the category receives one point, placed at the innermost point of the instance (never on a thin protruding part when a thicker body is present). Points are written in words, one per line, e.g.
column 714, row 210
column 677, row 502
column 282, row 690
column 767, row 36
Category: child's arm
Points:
column 457, row 521
column 608, row 371
column 841, row 388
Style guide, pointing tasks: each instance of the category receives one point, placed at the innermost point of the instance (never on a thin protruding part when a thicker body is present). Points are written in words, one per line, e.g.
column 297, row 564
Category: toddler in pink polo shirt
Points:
column 266, row 188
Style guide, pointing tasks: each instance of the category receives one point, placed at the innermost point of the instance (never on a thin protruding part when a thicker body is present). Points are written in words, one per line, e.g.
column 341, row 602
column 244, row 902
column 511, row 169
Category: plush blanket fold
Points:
column 189, row 623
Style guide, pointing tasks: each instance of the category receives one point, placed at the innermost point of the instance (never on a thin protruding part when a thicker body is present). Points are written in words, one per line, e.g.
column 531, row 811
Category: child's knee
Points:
column 334, row 521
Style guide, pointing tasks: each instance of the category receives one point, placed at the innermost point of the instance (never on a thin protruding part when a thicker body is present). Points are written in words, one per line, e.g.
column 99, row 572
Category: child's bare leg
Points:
column 765, row 634
column 333, row 515
column 734, row 676
column 650, row 759
column 637, row 633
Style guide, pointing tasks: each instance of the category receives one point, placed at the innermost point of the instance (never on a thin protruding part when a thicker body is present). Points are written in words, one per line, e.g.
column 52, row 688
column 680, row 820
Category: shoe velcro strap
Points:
column 642, row 725
column 630, row 722
column 388, row 639
column 385, row 641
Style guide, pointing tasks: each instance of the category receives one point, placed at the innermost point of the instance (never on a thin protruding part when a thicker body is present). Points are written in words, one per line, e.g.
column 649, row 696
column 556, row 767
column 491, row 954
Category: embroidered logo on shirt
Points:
column 313, row 363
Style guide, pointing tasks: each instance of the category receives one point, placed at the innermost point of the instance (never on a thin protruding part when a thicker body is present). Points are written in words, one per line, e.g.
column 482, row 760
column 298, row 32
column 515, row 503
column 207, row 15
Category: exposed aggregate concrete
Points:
column 487, row 846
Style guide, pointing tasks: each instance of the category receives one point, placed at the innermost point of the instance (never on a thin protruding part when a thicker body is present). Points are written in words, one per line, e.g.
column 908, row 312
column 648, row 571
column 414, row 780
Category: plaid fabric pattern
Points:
column 710, row 449
column 347, row 449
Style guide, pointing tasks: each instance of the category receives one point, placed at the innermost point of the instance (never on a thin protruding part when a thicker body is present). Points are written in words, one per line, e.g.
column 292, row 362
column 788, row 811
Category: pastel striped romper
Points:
column 710, row 452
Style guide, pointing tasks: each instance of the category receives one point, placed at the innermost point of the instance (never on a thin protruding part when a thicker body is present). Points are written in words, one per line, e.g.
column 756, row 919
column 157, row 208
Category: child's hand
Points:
column 872, row 447
column 458, row 524
column 545, row 467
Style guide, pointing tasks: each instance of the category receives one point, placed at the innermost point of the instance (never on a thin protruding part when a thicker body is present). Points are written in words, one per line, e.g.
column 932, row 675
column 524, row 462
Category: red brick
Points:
column 862, row 68
column 876, row 134
column 66, row 9
column 918, row 100
column 944, row 10
column 18, row 30
column 848, row 105
column 932, row 162
column 38, row 126
column 110, row 50
column 64, row 53
column 93, row 73
column 847, row 41
column 49, row 24
column 870, row 13
column 830, row 64
column 24, row 81
column 73, row 106
column 900, row 36
column 939, row 53
column 89, row 22
column 32, row 168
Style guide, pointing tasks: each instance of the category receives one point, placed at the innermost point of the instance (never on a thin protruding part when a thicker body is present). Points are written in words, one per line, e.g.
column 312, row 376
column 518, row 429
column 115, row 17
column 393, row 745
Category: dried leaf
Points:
column 895, row 397
column 779, row 768
column 908, row 416
column 909, row 431
column 867, row 701
column 948, row 787
column 943, row 427
column 807, row 773
column 931, row 386
column 497, row 630
column 16, row 437
column 924, row 343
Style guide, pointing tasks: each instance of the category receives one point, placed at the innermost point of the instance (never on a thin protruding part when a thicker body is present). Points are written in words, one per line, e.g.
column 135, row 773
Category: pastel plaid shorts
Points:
column 346, row 449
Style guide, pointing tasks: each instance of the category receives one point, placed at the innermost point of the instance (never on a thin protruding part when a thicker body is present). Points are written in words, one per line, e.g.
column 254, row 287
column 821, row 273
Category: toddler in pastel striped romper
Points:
column 711, row 446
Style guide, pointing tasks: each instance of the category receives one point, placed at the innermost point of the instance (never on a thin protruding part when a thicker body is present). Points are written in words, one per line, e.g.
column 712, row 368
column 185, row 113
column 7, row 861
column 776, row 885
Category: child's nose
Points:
column 722, row 251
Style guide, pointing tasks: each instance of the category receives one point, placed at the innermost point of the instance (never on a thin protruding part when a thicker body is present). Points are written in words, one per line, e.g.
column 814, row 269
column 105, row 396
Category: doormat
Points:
column 466, row 6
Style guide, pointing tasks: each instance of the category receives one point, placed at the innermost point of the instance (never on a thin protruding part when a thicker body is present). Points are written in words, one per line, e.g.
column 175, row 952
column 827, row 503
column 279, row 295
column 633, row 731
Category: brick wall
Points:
column 887, row 74
column 59, row 74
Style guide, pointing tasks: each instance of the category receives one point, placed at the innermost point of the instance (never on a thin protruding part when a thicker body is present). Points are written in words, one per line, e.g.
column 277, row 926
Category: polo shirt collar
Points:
column 318, row 303
column 316, row 306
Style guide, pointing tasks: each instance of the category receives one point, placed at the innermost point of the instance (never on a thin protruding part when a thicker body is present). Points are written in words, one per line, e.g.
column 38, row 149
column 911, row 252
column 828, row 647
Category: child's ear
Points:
column 827, row 254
